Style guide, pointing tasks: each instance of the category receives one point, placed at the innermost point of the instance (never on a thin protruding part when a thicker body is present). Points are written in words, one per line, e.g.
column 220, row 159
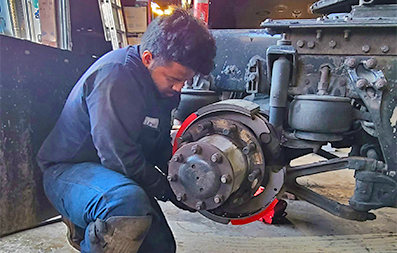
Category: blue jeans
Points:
column 88, row 191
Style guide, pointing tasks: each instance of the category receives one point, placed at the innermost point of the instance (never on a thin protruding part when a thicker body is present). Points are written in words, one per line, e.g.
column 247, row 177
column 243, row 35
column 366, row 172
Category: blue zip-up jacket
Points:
column 115, row 116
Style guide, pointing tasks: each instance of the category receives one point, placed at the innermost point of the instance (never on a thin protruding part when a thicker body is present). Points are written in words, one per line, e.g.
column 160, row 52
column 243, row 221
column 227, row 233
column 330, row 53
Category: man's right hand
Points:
column 171, row 196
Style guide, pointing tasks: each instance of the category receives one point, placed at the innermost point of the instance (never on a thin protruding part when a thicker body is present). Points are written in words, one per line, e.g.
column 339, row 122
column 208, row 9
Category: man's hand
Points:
column 171, row 196
column 162, row 191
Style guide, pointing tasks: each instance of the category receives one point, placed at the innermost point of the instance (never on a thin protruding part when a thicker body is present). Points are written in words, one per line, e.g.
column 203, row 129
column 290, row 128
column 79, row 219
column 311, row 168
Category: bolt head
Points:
column 384, row 49
column 362, row 83
column 218, row 199
column 196, row 149
column 200, row 205
column 246, row 150
column 171, row 178
column 216, row 158
column 200, row 128
column 203, row 126
column 366, row 48
column 227, row 131
column 351, row 62
column 380, row 84
column 332, row 44
column 250, row 147
column 177, row 158
column 371, row 63
column 311, row 44
column 225, row 179
column 300, row 43
column 180, row 197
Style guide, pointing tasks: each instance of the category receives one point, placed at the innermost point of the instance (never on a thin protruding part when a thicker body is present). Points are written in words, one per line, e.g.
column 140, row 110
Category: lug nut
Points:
column 218, row 199
column 178, row 158
column 225, row 179
column 196, row 149
column 203, row 126
column 351, row 62
column 200, row 205
column 216, row 158
column 171, row 178
column 362, row 83
column 249, row 148
column 380, row 84
column 231, row 129
column 180, row 197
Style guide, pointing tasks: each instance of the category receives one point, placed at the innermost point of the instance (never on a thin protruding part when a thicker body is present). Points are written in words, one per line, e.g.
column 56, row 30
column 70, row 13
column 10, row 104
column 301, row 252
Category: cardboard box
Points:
column 134, row 40
column 135, row 19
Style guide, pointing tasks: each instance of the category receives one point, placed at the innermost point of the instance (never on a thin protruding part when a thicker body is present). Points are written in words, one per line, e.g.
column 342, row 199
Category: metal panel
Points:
column 235, row 48
column 34, row 83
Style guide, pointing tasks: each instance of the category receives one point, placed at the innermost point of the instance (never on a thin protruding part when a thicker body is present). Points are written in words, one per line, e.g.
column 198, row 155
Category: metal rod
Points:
column 323, row 84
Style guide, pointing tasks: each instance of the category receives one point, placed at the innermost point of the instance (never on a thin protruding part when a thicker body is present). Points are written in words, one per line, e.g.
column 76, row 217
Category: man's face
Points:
column 170, row 77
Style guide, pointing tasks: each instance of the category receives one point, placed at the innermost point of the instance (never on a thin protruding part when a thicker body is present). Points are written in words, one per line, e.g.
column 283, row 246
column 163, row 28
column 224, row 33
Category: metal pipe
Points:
column 323, row 84
column 281, row 75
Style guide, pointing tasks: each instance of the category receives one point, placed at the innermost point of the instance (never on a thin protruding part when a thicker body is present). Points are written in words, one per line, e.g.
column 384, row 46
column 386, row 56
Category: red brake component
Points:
column 265, row 216
column 184, row 125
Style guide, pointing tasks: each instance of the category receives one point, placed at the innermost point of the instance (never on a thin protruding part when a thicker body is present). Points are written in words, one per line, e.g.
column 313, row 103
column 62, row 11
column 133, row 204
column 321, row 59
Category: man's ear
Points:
column 147, row 58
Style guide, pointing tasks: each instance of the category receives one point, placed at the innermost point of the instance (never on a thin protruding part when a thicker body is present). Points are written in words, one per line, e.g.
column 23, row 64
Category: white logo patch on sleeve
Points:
column 151, row 122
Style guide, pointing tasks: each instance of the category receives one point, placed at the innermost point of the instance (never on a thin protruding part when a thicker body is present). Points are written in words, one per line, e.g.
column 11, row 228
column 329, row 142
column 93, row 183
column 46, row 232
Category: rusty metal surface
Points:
column 34, row 83
column 343, row 34
column 235, row 48
column 344, row 41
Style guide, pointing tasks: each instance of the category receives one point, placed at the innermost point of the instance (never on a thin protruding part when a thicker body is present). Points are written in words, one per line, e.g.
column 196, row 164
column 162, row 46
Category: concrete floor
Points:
column 310, row 230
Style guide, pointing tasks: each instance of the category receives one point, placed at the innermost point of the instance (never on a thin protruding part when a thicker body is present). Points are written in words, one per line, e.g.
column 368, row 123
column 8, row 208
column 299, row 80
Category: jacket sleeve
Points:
column 116, row 108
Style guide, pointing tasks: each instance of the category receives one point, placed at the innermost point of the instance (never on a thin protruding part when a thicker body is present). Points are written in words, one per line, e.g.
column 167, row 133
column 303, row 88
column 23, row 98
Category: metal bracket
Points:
column 371, row 91
column 255, row 76
column 274, row 52
column 331, row 206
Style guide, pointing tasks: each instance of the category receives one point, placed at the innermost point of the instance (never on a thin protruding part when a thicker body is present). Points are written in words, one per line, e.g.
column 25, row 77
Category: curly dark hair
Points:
column 181, row 38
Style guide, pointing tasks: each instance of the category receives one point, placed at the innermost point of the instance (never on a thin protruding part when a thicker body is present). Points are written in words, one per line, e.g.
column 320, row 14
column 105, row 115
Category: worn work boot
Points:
column 119, row 234
column 75, row 234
